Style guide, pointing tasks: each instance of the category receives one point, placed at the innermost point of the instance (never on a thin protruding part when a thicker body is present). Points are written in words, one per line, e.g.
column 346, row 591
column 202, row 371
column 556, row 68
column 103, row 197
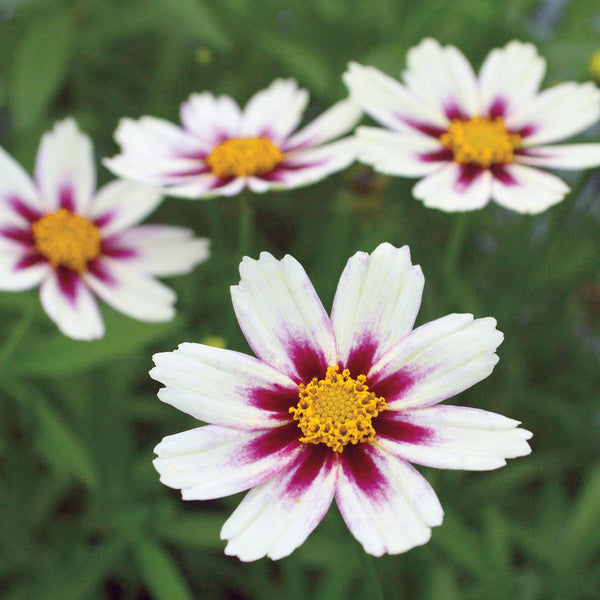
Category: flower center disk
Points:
column 66, row 240
column 481, row 141
column 336, row 410
column 241, row 157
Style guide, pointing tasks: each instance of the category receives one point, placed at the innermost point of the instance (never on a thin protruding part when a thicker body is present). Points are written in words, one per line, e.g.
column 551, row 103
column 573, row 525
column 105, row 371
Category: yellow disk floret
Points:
column 336, row 410
column 481, row 141
column 66, row 240
column 241, row 157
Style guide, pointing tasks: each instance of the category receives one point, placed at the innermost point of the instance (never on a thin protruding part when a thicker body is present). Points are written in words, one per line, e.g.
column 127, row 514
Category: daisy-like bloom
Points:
column 222, row 149
column 331, row 407
column 58, row 232
column 472, row 138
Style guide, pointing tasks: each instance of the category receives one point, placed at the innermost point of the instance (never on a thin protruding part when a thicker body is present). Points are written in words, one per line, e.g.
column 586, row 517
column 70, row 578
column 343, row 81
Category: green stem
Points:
column 372, row 581
column 216, row 228
column 18, row 333
column 246, row 223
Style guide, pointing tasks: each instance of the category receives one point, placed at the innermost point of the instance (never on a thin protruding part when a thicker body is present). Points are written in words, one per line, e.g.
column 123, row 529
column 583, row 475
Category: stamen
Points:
column 481, row 141
column 66, row 240
column 241, row 157
column 337, row 410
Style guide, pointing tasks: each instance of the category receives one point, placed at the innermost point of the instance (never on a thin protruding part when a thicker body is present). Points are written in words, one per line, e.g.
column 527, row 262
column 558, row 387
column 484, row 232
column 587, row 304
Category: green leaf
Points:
column 60, row 355
column 199, row 531
column 39, row 67
column 160, row 573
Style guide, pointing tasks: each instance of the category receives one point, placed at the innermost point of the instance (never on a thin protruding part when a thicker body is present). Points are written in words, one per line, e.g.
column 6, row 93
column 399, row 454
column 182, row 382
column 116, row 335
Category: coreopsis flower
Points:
column 221, row 149
column 331, row 407
column 75, row 242
column 472, row 138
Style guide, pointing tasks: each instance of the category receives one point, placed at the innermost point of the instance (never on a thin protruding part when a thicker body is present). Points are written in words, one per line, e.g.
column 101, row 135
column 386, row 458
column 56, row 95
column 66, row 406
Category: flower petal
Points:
column 21, row 270
column 334, row 122
column 567, row 156
column 224, row 387
column 277, row 516
column 65, row 171
column 527, row 190
column 387, row 505
column 211, row 119
column 15, row 184
column 452, row 437
column 282, row 317
column 436, row 361
column 274, row 112
column 160, row 250
column 509, row 77
column 132, row 293
column 442, row 76
column 206, row 185
column 120, row 204
column 455, row 187
column 405, row 154
column 375, row 305
column 557, row 113
column 213, row 462
column 70, row 304
column 389, row 102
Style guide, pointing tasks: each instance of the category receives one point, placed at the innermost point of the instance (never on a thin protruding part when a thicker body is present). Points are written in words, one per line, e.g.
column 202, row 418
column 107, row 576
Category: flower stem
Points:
column 246, row 222
column 17, row 333
column 373, row 587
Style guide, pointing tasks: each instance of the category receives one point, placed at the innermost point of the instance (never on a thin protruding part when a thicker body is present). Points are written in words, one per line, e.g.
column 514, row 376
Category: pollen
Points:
column 482, row 141
column 66, row 240
column 336, row 410
column 241, row 157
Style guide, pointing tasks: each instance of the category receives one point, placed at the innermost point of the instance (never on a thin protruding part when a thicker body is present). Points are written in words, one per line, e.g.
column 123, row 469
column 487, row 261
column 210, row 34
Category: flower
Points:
column 58, row 232
column 221, row 149
column 331, row 407
column 475, row 138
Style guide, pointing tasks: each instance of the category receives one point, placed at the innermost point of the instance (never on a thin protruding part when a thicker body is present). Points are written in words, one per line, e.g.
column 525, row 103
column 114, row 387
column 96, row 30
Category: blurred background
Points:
column 82, row 513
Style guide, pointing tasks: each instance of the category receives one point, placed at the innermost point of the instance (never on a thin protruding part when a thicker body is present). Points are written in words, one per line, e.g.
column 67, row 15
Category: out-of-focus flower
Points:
column 472, row 138
column 222, row 149
column 58, row 232
column 332, row 407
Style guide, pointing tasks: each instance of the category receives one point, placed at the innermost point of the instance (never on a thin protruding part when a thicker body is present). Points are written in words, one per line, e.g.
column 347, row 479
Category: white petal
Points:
column 275, row 112
column 389, row 102
column 453, row 437
column 571, row 156
column 437, row 361
column 224, row 387
column 282, row 317
column 455, row 187
column 162, row 250
column 557, row 113
column 211, row 118
column 206, row 185
column 70, row 304
column 510, row 76
column 213, row 462
column 442, row 76
column 120, row 204
column 130, row 292
column 387, row 505
column 65, row 171
column 334, row 122
column 15, row 184
column 15, row 276
column 406, row 154
column 277, row 516
column 528, row 190
column 375, row 305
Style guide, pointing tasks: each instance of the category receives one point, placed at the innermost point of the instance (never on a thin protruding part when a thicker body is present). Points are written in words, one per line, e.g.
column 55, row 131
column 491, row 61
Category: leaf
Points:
column 160, row 573
column 198, row 531
column 39, row 67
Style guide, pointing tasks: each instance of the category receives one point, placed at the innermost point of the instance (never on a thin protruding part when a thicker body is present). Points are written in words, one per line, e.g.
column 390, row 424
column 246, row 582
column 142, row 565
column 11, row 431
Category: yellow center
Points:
column 66, row 240
column 481, row 141
column 336, row 410
column 240, row 157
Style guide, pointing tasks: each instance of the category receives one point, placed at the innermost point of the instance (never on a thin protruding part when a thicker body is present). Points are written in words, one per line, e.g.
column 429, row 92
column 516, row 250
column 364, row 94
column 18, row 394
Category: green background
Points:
column 82, row 514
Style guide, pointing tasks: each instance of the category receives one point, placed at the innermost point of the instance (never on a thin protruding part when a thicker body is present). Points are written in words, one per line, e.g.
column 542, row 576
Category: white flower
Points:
column 472, row 138
column 221, row 149
column 332, row 407
column 58, row 232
